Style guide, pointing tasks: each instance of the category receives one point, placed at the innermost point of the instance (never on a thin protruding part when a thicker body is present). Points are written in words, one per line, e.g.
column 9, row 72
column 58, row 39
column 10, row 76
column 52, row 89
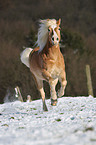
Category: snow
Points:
column 71, row 122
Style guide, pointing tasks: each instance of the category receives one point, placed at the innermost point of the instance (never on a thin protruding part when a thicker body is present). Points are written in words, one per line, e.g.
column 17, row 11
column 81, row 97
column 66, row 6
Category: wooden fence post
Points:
column 89, row 81
column 29, row 98
column 18, row 94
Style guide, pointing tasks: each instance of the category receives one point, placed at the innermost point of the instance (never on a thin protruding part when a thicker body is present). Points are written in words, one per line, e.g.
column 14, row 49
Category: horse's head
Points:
column 49, row 30
column 54, row 33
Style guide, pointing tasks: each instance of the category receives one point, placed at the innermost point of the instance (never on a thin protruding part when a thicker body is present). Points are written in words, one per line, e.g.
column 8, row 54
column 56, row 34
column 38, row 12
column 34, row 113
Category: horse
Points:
column 46, row 61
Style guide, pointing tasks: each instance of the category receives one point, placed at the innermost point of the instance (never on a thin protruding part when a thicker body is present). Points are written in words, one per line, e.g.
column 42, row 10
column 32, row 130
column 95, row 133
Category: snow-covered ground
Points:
column 71, row 122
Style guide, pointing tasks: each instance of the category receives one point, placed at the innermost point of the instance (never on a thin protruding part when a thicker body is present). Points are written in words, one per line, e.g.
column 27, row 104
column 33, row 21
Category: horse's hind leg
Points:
column 43, row 98
column 53, row 91
column 40, row 88
column 63, row 82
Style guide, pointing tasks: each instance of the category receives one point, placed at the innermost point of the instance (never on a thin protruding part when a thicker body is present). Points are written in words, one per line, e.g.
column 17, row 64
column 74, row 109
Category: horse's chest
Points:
column 52, row 66
column 54, row 70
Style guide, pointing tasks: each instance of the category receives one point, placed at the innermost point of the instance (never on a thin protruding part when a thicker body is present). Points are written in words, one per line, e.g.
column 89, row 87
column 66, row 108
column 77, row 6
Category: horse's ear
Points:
column 59, row 22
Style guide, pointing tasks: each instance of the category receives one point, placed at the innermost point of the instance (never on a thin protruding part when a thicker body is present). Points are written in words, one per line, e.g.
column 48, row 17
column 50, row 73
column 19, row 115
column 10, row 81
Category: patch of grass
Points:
column 33, row 109
column 38, row 117
column 93, row 139
column 21, row 127
column 35, row 114
column 88, row 129
column 12, row 117
column 61, row 113
column 58, row 120
column 83, row 106
column 5, row 125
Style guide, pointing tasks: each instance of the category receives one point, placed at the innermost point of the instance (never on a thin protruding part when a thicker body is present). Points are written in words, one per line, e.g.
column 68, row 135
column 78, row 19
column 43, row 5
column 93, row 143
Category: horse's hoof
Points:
column 53, row 102
column 45, row 108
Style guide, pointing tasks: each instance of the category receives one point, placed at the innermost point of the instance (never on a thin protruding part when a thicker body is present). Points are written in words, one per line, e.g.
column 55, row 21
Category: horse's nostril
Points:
column 53, row 38
column 57, row 38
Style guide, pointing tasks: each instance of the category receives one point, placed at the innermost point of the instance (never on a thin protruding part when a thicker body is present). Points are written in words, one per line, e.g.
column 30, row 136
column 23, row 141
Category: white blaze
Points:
column 54, row 35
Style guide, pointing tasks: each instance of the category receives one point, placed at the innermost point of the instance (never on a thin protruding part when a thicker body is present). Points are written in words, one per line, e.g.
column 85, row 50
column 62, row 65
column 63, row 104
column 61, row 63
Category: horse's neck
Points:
column 51, row 50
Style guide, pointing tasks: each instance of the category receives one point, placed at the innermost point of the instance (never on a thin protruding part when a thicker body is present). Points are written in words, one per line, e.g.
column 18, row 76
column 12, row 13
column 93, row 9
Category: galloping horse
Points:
column 46, row 61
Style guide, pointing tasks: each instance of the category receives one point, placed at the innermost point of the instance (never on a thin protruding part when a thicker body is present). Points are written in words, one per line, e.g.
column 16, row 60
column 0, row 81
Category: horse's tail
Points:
column 25, row 56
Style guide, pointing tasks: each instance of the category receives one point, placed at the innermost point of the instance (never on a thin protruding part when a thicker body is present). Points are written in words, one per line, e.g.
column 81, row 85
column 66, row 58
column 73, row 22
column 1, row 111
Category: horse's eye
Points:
column 59, row 29
column 48, row 30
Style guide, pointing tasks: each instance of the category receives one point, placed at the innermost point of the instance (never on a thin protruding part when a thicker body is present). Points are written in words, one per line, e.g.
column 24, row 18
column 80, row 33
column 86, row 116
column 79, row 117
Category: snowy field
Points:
column 71, row 122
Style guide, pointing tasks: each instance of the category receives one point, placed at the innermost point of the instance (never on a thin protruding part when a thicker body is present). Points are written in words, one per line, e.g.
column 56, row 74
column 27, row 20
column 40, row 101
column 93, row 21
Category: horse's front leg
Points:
column 53, row 91
column 63, row 82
